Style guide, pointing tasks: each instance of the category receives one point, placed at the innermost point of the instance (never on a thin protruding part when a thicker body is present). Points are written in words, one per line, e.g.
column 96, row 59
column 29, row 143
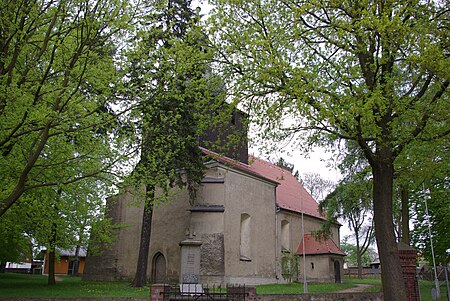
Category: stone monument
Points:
column 190, row 259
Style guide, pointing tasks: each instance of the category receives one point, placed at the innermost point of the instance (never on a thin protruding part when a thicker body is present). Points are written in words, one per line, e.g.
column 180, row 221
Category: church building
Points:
column 249, row 221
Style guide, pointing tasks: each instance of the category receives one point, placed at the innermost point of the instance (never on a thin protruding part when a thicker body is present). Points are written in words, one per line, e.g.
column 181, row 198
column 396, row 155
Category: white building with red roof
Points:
column 244, row 227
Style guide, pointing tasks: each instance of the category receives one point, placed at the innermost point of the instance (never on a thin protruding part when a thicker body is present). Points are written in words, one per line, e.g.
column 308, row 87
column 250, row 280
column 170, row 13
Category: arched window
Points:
column 245, row 237
column 285, row 236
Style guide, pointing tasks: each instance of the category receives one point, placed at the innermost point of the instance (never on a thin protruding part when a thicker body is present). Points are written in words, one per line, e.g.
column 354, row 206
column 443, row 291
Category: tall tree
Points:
column 352, row 201
column 351, row 251
column 14, row 242
column 374, row 72
column 57, row 82
column 433, row 194
column 61, row 219
column 168, row 81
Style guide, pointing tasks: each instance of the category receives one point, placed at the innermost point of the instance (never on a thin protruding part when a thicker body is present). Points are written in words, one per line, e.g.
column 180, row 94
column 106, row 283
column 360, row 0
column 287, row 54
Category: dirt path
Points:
column 357, row 289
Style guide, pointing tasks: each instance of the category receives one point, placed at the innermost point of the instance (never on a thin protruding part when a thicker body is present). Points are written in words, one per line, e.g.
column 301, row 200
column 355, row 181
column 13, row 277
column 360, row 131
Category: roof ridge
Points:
column 272, row 165
column 210, row 152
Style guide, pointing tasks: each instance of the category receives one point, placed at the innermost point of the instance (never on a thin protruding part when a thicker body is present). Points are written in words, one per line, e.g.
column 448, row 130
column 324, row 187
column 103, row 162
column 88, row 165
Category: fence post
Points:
column 157, row 290
column 251, row 293
column 408, row 256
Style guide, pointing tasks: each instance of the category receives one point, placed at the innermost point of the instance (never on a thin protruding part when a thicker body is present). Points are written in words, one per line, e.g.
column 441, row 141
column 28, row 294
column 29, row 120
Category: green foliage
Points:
column 15, row 245
column 55, row 219
column 352, row 201
column 27, row 286
column 167, row 81
column 373, row 72
column 350, row 249
column 289, row 266
column 57, row 85
column 437, row 196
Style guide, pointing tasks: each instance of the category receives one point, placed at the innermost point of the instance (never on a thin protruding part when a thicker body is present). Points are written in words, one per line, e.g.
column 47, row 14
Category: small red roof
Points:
column 291, row 195
column 315, row 246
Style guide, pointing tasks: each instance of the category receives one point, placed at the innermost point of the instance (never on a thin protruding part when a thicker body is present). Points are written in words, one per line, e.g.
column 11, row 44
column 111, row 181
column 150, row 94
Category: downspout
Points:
column 277, row 263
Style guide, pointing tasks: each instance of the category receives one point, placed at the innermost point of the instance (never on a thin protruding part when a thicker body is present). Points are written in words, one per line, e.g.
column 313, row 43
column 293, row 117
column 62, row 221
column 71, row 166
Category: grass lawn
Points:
column 297, row 288
column 425, row 290
column 19, row 285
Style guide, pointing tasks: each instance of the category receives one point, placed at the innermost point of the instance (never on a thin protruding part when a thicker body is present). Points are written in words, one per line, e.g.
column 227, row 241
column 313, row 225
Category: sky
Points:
column 317, row 161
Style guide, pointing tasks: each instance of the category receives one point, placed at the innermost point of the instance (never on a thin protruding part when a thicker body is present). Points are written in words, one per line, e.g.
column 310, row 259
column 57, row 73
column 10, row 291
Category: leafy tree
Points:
column 167, row 79
column 14, row 243
column 352, row 201
column 424, row 166
column 61, row 218
column 438, row 219
column 289, row 266
column 374, row 72
column 57, row 83
column 352, row 259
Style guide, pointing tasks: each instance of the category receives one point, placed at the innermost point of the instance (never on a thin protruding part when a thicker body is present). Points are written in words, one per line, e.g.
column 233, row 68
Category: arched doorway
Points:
column 159, row 268
column 337, row 271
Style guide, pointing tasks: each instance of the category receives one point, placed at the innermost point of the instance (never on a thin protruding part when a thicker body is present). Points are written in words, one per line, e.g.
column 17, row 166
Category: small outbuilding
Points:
column 65, row 261
column 323, row 259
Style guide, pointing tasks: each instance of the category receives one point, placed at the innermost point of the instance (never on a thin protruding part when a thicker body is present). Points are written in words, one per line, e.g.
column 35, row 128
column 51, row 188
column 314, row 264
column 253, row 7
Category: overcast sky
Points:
column 317, row 160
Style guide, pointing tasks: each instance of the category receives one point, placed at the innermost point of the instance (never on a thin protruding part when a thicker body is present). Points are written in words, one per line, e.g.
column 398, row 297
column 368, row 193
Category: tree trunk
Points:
column 51, row 257
column 404, row 195
column 19, row 188
column 391, row 276
column 51, row 267
column 140, row 278
column 76, row 262
column 2, row 267
column 359, row 262
column 358, row 253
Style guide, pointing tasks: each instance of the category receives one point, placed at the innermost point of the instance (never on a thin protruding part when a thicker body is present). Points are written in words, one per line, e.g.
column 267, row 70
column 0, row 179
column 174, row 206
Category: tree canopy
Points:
column 169, row 81
column 373, row 72
column 57, row 83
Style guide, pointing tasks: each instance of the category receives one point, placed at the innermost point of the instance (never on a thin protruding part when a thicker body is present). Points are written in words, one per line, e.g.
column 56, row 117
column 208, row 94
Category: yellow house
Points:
column 65, row 261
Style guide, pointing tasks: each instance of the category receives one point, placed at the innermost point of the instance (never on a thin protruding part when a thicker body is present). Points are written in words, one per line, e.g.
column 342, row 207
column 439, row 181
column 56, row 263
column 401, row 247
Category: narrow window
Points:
column 285, row 234
column 245, row 237
column 312, row 265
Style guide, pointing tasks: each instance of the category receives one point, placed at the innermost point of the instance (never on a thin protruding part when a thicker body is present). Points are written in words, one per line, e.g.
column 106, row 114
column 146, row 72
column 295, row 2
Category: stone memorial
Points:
column 190, row 259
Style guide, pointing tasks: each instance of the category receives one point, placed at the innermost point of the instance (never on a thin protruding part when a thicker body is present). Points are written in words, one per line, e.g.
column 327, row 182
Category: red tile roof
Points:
column 235, row 164
column 290, row 194
column 314, row 246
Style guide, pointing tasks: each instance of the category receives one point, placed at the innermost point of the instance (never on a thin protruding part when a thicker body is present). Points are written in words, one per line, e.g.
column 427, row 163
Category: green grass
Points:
column 19, row 285
column 425, row 289
column 297, row 288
